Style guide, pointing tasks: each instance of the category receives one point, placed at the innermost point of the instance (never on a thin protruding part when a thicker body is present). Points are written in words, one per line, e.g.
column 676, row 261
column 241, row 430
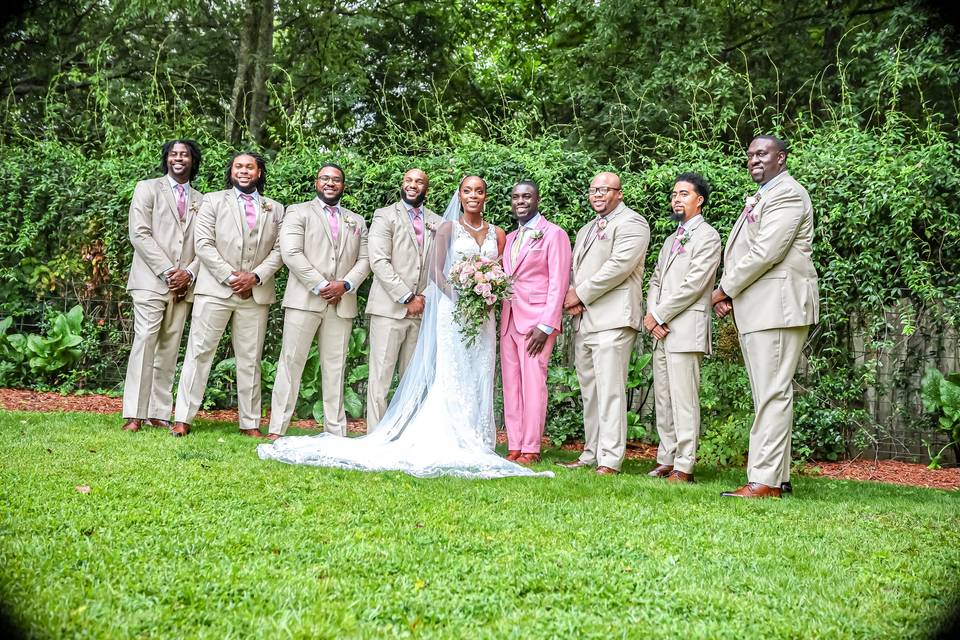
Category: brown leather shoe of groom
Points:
column 606, row 471
column 252, row 433
column 661, row 471
column 180, row 429
column 273, row 437
column 132, row 425
column 753, row 490
column 513, row 454
column 159, row 423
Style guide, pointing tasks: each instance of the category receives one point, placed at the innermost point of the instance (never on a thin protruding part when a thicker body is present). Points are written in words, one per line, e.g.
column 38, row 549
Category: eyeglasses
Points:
column 324, row 179
column 601, row 191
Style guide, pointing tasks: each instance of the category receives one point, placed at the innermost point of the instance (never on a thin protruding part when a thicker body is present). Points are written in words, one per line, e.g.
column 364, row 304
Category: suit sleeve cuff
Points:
column 656, row 317
column 547, row 329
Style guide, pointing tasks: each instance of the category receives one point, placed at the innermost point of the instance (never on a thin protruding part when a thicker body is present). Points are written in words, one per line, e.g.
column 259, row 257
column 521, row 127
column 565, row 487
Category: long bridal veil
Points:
column 437, row 422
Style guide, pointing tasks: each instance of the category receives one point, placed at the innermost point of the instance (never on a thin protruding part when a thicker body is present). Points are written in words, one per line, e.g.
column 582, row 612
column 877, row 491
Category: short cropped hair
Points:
column 700, row 184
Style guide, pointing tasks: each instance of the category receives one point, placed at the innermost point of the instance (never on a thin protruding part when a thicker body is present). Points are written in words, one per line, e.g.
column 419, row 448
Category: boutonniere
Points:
column 536, row 236
column 266, row 206
column 194, row 207
column 430, row 227
column 601, row 225
column 353, row 225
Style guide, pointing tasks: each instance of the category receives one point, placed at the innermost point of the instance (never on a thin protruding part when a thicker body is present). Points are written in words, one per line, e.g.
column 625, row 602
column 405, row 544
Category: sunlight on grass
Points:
column 197, row 537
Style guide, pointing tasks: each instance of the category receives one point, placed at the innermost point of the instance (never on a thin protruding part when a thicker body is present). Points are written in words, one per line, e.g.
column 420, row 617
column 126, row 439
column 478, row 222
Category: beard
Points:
column 250, row 188
column 416, row 202
column 328, row 201
column 677, row 217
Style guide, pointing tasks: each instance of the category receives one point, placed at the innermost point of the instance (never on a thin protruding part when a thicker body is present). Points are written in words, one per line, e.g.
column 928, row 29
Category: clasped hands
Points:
column 572, row 303
column 415, row 306
column 722, row 303
column 242, row 283
column 178, row 281
column 657, row 330
column 333, row 291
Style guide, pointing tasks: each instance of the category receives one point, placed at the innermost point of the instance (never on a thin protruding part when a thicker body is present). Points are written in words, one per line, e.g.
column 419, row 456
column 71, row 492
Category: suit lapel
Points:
column 322, row 216
column 230, row 200
column 345, row 228
column 404, row 219
column 592, row 233
column 526, row 246
column 169, row 198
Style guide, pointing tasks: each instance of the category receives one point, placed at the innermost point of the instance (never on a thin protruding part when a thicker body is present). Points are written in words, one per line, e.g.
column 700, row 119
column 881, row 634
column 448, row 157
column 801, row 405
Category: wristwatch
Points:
column 346, row 286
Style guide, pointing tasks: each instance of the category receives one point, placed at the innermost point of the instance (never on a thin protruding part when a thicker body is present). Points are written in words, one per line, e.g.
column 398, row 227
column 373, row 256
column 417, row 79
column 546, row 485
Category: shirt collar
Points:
column 773, row 181
column 533, row 222
column 174, row 183
column 237, row 193
column 409, row 207
column 692, row 222
column 324, row 205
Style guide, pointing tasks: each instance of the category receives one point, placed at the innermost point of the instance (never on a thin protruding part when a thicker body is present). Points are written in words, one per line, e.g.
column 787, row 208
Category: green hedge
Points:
column 888, row 229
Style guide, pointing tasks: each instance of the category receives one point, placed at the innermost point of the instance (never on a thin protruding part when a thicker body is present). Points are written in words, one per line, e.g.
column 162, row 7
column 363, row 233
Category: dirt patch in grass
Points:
column 889, row 471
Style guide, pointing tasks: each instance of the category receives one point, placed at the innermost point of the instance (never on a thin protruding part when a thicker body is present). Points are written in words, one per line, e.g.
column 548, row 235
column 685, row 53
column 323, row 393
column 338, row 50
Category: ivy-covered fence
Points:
column 887, row 250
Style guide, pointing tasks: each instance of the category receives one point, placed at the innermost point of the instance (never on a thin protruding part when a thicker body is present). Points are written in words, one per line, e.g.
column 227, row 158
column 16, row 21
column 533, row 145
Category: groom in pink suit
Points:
column 537, row 256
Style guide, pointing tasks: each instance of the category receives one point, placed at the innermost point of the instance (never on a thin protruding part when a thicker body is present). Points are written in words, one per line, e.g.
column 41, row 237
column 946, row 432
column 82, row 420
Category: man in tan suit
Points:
column 325, row 247
column 770, row 284
column 606, row 300
column 237, row 237
column 161, row 278
column 401, row 240
column 678, row 317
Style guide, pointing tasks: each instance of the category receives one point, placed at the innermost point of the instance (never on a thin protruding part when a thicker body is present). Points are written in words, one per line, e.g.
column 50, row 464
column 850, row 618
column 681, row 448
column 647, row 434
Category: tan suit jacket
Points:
column 160, row 240
column 767, row 265
column 608, row 271
column 220, row 229
column 308, row 250
column 681, row 285
column 399, row 264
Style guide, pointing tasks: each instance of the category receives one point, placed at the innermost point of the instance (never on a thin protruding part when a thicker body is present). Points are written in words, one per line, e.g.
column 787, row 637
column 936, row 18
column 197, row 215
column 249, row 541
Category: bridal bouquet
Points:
column 480, row 283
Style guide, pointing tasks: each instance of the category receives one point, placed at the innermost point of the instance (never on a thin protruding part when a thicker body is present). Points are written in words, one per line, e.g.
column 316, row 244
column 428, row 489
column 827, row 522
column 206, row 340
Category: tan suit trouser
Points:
column 157, row 328
column 248, row 324
column 300, row 330
column 392, row 343
column 602, row 359
column 676, row 388
column 771, row 358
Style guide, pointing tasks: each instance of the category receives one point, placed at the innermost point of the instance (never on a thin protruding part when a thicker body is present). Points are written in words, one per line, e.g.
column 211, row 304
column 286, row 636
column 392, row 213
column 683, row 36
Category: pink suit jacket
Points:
column 541, row 277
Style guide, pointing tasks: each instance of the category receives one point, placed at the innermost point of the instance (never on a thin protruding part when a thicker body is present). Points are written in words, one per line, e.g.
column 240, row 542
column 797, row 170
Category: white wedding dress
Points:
column 440, row 421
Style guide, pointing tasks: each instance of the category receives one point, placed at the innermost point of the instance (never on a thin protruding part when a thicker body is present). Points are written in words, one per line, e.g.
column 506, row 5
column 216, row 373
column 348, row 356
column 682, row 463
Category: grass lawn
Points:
column 197, row 537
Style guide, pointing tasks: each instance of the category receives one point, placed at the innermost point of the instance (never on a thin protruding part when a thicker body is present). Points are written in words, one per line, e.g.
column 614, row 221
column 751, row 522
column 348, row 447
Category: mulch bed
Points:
column 889, row 471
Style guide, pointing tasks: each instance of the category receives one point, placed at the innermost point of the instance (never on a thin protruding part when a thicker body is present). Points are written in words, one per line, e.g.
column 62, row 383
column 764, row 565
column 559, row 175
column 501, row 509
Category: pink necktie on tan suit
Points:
column 249, row 210
column 334, row 223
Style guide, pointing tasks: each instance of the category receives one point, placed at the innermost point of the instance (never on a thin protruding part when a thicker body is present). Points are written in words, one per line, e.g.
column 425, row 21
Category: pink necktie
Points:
column 677, row 245
column 181, row 201
column 249, row 209
column 334, row 223
column 417, row 225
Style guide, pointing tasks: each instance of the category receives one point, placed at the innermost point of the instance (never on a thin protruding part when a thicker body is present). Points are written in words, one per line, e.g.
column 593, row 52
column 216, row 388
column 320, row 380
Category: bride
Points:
column 440, row 421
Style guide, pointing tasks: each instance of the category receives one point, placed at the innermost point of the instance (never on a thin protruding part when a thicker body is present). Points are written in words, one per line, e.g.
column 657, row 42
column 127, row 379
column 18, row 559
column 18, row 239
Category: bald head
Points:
column 605, row 194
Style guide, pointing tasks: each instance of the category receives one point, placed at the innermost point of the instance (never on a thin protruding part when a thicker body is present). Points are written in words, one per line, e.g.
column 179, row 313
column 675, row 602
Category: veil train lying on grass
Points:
column 440, row 421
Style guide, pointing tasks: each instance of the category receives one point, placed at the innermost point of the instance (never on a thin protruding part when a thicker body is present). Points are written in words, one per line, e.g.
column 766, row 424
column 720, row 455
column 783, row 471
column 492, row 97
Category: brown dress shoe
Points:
column 576, row 464
column 606, row 471
column 180, row 429
column 679, row 476
column 273, row 437
column 513, row 454
column 753, row 490
column 133, row 424
column 159, row 423
column 528, row 459
column 252, row 433
column 661, row 471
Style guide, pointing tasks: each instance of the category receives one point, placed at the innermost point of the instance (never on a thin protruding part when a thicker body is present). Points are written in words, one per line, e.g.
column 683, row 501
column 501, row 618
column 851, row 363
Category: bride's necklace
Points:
column 470, row 226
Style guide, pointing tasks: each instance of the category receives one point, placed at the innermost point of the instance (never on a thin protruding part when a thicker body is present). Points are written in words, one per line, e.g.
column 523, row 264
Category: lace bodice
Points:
column 464, row 245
